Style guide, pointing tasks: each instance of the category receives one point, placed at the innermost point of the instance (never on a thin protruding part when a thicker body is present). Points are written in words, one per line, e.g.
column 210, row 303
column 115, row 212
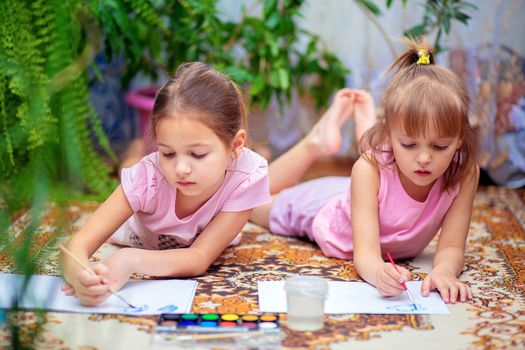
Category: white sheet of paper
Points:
column 151, row 297
column 356, row 298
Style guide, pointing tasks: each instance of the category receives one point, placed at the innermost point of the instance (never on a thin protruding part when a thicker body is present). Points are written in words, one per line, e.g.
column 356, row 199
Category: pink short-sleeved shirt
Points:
column 406, row 226
column 155, row 225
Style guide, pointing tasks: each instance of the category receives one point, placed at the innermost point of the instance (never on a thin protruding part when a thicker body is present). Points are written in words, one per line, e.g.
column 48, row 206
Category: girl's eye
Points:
column 440, row 147
column 199, row 156
column 408, row 145
column 169, row 155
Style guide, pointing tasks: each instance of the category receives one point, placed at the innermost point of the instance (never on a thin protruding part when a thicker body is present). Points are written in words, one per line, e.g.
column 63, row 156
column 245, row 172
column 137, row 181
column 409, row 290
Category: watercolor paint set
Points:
column 219, row 323
column 211, row 331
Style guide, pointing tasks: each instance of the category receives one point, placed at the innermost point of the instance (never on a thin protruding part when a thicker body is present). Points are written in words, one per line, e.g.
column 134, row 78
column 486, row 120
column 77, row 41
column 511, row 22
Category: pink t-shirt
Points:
column 155, row 225
column 406, row 226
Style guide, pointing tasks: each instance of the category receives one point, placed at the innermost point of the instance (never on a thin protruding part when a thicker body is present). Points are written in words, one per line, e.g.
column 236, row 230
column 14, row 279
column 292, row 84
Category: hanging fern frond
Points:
column 44, row 100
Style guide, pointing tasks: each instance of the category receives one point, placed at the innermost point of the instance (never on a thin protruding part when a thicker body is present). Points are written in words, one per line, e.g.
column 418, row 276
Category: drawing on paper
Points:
column 406, row 308
column 141, row 308
column 152, row 297
column 170, row 308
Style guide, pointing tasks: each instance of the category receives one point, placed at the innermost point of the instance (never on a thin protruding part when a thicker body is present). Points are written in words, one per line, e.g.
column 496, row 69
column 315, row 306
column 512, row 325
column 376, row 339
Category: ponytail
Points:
column 418, row 53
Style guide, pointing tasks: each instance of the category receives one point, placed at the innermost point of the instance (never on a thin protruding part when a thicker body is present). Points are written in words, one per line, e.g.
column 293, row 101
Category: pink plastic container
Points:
column 143, row 100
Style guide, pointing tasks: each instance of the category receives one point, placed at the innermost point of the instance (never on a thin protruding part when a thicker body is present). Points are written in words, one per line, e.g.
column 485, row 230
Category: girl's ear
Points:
column 238, row 143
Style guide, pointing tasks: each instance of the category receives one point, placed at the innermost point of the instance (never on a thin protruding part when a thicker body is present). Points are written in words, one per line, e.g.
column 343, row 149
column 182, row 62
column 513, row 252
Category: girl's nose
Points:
column 424, row 158
column 182, row 168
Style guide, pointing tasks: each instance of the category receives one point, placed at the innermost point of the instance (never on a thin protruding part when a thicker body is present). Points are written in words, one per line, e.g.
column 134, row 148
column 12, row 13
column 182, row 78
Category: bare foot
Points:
column 364, row 112
column 325, row 136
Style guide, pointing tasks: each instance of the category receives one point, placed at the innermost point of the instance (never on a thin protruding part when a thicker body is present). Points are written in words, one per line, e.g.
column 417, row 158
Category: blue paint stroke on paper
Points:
column 136, row 309
column 406, row 308
column 168, row 308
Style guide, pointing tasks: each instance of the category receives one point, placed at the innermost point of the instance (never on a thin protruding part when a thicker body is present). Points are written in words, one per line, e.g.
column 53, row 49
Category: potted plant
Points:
column 259, row 52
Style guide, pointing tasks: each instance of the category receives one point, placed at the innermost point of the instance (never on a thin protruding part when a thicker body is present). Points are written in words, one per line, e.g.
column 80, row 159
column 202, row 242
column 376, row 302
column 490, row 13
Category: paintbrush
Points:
column 402, row 283
column 89, row 269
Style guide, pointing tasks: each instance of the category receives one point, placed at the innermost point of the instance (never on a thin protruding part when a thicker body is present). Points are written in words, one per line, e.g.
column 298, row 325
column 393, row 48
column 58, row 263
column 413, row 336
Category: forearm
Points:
column 82, row 248
column 181, row 262
column 99, row 227
column 451, row 259
column 191, row 261
column 364, row 217
column 69, row 266
column 450, row 252
column 367, row 266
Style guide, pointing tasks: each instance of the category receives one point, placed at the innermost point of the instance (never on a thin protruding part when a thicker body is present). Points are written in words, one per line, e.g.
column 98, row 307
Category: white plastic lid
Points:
column 311, row 286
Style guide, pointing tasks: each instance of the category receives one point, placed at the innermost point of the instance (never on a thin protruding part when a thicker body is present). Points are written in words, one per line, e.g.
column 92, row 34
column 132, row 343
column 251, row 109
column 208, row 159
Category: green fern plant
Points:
column 46, row 122
column 44, row 105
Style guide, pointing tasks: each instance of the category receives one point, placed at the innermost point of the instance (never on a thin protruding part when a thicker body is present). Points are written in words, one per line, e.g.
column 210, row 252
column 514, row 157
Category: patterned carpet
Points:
column 494, row 319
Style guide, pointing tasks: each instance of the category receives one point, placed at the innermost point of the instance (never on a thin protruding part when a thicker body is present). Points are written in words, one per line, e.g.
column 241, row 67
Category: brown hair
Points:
column 199, row 92
column 417, row 97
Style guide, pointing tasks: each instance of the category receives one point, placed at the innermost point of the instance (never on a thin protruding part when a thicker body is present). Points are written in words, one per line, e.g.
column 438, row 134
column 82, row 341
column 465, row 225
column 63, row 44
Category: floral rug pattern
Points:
column 495, row 268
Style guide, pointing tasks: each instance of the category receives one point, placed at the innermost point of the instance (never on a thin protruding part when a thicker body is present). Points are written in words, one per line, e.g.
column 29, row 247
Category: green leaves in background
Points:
column 260, row 50
column 437, row 18
column 46, row 118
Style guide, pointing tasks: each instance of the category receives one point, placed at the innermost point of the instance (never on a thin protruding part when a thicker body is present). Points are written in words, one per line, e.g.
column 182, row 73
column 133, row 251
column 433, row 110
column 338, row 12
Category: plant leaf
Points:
column 370, row 6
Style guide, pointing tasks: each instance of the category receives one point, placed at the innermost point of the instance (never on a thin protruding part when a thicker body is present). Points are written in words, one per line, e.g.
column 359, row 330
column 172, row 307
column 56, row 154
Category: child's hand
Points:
column 388, row 280
column 120, row 267
column 91, row 289
column 67, row 289
column 448, row 285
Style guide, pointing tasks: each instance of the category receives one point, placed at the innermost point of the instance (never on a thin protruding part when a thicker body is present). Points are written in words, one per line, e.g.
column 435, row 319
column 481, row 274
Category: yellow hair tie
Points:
column 424, row 58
